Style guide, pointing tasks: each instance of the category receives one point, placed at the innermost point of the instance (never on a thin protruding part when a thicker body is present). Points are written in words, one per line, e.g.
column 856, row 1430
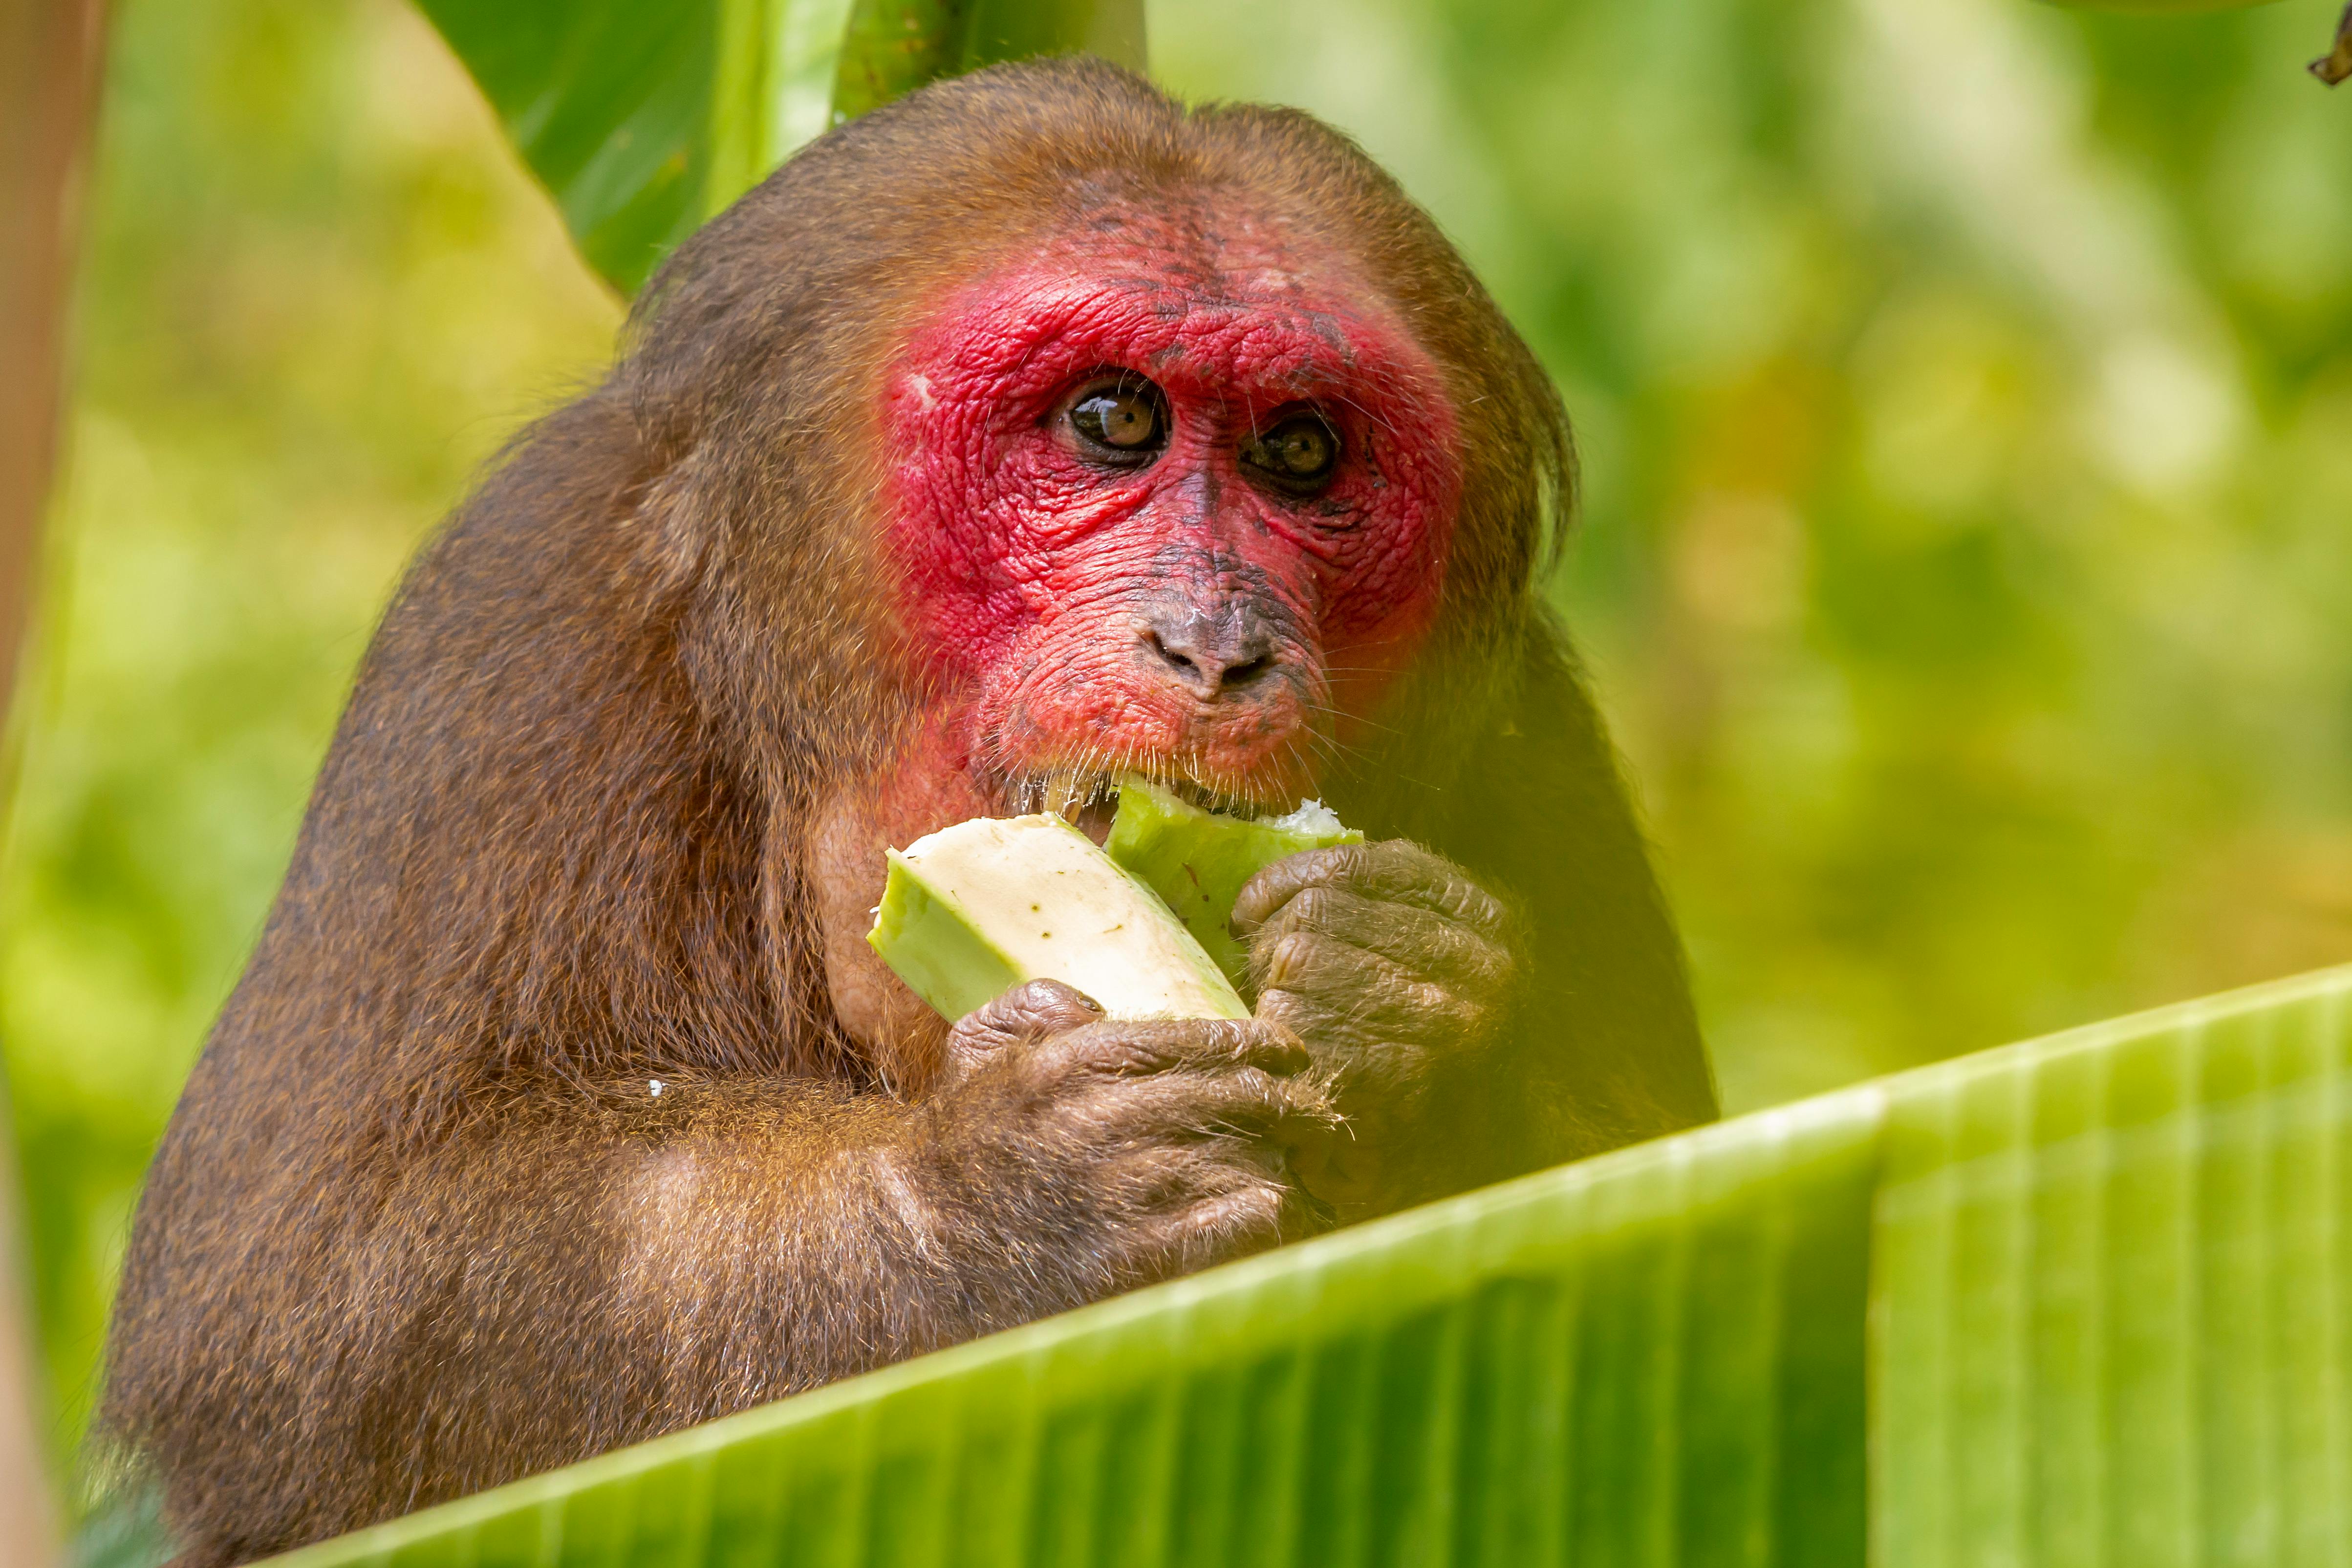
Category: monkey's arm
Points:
column 574, row 1266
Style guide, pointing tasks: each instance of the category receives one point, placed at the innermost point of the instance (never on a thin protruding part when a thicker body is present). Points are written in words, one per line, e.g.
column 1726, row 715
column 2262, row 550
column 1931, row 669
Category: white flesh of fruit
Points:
column 995, row 901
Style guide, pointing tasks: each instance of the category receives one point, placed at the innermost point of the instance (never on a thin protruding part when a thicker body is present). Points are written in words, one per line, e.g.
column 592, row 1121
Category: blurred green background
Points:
column 1965, row 389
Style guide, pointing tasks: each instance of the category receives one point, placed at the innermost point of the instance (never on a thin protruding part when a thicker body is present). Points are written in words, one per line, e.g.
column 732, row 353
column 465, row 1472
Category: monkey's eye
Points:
column 1121, row 419
column 1298, row 454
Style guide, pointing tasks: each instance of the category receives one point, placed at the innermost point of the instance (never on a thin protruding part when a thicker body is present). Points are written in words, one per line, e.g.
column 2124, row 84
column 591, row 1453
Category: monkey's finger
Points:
column 1373, row 995
column 1194, row 1103
column 1362, row 1060
column 1129, row 1048
column 1160, row 1178
column 1359, row 1053
column 1212, row 1230
column 1032, row 1011
column 1163, row 1193
column 1393, row 870
column 1336, row 1168
column 1021, row 1016
column 1431, row 946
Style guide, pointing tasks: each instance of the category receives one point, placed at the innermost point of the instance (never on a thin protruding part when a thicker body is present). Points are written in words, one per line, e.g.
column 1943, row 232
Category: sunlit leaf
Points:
column 2073, row 1301
column 2159, row 8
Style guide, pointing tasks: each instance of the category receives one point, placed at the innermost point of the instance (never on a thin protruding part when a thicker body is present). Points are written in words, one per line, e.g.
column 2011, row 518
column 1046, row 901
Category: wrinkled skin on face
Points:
column 1186, row 606
column 1183, row 613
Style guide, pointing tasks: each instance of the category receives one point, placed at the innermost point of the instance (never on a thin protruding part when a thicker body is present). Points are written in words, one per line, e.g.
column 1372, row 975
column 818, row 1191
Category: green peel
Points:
column 1198, row 861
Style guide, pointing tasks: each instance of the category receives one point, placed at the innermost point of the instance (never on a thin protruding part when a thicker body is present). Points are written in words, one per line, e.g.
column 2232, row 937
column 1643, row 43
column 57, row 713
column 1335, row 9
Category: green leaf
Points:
column 2111, row 1277
column 2078, row 1300
column 642, row 119
column 609, row 102
column 894, row 47
column 2159, row 8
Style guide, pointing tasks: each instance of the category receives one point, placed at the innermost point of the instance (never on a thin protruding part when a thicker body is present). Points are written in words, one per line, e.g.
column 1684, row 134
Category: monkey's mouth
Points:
column 1089, row 801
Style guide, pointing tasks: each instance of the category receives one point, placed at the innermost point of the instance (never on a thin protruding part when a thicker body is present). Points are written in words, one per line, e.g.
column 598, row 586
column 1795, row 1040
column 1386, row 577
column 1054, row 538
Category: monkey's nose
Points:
column 1207, row 655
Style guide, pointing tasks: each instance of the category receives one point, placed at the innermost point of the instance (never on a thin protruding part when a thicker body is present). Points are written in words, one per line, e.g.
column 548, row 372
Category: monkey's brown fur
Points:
column 421, row 1225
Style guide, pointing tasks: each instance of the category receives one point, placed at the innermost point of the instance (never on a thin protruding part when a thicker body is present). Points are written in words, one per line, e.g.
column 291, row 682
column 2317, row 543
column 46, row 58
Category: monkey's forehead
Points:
column 1228, row 307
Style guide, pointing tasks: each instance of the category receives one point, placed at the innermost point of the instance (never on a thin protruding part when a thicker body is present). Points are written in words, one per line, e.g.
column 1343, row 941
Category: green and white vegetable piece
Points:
column 973, row 910
column 1198, row 860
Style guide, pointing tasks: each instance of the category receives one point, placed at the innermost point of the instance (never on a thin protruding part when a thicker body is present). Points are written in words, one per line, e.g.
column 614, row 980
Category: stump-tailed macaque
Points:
column 1032, row 430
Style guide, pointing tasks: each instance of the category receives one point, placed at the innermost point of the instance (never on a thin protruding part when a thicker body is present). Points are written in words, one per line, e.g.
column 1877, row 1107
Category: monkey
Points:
column 1032, row 431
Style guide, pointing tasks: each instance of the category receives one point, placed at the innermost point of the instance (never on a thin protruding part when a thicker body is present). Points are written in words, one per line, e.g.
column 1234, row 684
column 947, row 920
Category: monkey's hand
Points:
column 1097, row 1154
column 1392, row 966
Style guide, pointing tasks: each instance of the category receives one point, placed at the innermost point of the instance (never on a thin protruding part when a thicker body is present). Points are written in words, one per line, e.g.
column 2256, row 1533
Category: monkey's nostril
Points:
column 1213, row 649
column 1195, row 655
column 1181, row 663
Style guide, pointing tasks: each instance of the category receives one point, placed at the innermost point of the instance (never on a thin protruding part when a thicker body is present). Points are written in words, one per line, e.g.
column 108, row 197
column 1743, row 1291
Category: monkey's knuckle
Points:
column 1397, row 865
column 967, row 1052
column 1470, row 1019
column 1491, row 961
column 1289, row 1011
column 1060, row 1086
column 1098, row 1052
column 1059, row 1101
column 1247, row 1090
column 1138, row 1180
column 1228, row 1038
column 1277, row 1002
column 1427, row 999
column 1239, row 1219
column 1188, row 1168
column 1251, row 1219
column 978, row 1031
column 1291, row 959
column 1488, row 917
column 1271, row 1046
column 1256, row 1206
column 1210, row 1230
column 1314, row 906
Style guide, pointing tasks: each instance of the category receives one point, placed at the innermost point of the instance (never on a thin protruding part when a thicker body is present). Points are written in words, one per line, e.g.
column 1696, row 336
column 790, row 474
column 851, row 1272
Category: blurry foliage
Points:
column 317, row 294
column 609, row 101
column 1965, row 392
column 1965, row 389
column 640, row 121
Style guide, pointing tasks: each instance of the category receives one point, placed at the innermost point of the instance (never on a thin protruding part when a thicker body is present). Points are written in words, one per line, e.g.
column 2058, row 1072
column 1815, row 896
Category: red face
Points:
column 1170, row 496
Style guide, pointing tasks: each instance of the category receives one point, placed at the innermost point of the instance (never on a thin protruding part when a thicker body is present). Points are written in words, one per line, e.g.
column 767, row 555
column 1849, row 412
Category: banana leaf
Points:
column 642, row 119
column 893, row 47
column 2079, row 1300
column 2160, row 7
